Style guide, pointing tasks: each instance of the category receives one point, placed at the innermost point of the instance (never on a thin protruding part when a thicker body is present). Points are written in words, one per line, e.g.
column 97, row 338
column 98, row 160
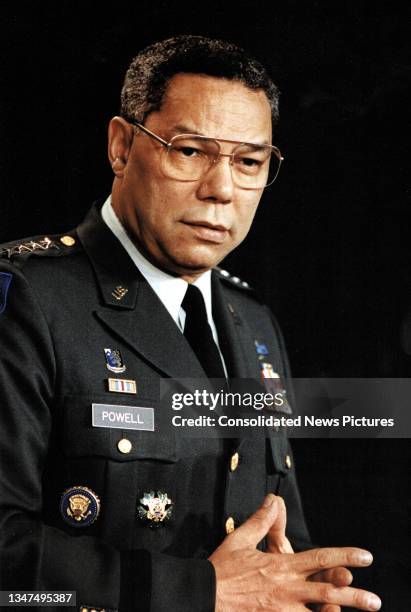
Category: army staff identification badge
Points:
column 79, row 506
column 155, row 508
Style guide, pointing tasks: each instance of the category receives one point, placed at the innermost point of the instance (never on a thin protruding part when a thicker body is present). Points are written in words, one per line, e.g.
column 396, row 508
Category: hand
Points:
column 277, row 542
column 280, row 580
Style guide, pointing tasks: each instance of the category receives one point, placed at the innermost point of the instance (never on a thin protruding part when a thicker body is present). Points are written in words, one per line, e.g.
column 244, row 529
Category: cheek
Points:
column 169, row 201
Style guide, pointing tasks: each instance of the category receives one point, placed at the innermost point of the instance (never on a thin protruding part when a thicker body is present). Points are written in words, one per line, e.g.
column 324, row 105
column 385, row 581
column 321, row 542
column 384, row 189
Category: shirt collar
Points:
column 169, row 289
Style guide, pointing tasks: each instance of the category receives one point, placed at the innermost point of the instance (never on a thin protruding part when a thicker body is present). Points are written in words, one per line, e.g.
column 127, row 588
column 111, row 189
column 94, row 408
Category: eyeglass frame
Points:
column 168, row 144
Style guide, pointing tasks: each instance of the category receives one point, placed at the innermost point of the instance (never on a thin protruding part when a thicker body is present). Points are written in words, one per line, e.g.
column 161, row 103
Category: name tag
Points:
column 122, row 417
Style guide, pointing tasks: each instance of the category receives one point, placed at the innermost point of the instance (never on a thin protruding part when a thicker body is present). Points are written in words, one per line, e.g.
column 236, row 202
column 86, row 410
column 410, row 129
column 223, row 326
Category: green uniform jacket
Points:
column 61, row 306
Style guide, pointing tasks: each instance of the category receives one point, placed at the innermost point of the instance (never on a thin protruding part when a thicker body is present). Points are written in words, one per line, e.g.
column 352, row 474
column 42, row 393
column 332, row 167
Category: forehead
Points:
column 213, row 107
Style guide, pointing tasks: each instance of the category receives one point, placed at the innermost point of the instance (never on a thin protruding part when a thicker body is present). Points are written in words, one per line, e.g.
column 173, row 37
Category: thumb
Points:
column 255, row 528
column 277, row 542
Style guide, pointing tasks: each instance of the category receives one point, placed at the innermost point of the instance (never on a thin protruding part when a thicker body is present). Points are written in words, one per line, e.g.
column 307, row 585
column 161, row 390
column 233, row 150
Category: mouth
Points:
column 208, row 231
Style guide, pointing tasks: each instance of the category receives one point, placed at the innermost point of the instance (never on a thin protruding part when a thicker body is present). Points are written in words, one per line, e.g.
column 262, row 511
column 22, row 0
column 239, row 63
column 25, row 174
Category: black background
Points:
column 329, row 249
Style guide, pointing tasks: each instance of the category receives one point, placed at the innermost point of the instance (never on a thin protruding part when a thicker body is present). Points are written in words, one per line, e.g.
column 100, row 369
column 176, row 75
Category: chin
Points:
column 195, row 266
column 195, row 263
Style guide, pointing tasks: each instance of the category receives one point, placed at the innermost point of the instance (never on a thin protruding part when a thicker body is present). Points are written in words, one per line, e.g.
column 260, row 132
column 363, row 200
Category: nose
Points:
column 217, row 184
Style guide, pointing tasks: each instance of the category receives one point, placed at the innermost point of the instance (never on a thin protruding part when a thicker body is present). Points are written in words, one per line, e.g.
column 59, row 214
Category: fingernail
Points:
column 365, row 558
column 374, row 602
column 268, row 501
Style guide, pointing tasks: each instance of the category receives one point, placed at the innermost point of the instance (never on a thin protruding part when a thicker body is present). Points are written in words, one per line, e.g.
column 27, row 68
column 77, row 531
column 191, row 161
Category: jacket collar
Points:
column 235, row 336
column 130, row 307
column 113, row 267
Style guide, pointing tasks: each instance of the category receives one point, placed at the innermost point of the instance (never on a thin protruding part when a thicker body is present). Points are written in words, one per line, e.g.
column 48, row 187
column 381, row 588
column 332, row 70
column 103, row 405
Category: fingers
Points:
column 319, row 559
column 341, row 596
column 339, row 576
column 254, row 529
column 330, row 608
column 276, row 538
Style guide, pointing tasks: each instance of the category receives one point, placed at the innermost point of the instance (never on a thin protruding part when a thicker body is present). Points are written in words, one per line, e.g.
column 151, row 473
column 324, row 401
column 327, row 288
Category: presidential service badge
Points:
column 79, row 506
column 155, row 508
column 114, row 361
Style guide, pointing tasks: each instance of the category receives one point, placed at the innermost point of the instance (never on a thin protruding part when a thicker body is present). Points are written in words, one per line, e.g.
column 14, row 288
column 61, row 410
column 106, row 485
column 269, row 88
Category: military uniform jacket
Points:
column 61, row 306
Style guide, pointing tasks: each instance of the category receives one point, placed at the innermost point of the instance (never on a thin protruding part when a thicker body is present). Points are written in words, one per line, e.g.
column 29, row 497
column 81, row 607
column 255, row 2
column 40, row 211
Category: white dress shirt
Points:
column 169, row 289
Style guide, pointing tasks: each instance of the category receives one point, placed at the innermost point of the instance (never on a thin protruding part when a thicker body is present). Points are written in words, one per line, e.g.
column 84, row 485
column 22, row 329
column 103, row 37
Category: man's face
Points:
column 188, row 227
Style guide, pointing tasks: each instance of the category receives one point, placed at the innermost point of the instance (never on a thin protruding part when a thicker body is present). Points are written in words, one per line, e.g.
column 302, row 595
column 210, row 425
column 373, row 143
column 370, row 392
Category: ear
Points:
column 120, row 138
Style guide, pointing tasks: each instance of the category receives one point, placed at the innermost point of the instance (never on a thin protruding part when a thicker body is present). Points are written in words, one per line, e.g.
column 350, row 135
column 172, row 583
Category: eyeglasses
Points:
column 188, row 157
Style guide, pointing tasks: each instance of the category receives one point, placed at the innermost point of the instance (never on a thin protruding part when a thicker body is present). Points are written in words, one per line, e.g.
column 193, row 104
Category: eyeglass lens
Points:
column 190, row 158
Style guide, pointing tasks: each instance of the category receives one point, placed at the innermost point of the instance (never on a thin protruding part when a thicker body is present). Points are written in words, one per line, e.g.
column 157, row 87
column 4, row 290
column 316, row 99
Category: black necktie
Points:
column 199, row 335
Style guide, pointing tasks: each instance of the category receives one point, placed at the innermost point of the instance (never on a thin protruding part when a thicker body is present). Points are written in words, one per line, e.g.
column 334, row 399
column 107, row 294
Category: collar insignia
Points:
column 119, row 292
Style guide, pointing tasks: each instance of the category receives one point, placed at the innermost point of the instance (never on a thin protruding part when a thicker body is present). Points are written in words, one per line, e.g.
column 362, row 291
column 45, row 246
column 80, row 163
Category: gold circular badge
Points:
column 79, row 506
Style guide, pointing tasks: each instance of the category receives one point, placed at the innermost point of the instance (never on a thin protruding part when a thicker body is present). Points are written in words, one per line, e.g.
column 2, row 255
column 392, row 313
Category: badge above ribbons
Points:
column 261, row 349
column 271, row 379
column 114, row 361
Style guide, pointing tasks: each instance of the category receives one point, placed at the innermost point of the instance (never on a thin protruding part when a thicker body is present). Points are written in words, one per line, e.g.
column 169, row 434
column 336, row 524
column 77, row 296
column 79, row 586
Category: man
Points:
column 130, row 517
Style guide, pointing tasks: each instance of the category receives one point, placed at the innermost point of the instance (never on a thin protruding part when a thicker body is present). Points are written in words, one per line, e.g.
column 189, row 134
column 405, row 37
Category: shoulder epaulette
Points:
column 234, row 281
column 39, row 245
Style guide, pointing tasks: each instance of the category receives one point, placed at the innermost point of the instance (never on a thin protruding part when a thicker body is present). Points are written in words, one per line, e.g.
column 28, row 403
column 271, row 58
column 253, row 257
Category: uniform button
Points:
column 229, row 525
column 67, row 240
column 235, row 279
column 234, row 462
column 84, row 609
column 124, row 446
column 288, row 462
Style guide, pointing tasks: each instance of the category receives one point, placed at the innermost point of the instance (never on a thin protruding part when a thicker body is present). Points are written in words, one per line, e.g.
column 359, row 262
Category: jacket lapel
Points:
column 235, row 337
column 150, row 330
column 129, row 306
column 237, row 345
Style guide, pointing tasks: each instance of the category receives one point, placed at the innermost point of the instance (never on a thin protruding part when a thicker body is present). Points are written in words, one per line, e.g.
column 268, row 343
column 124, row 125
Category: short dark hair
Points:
column 150, row 71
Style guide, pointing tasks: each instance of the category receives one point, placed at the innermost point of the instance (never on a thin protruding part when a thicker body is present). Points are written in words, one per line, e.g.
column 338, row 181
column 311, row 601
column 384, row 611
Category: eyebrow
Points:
column 183, row 129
